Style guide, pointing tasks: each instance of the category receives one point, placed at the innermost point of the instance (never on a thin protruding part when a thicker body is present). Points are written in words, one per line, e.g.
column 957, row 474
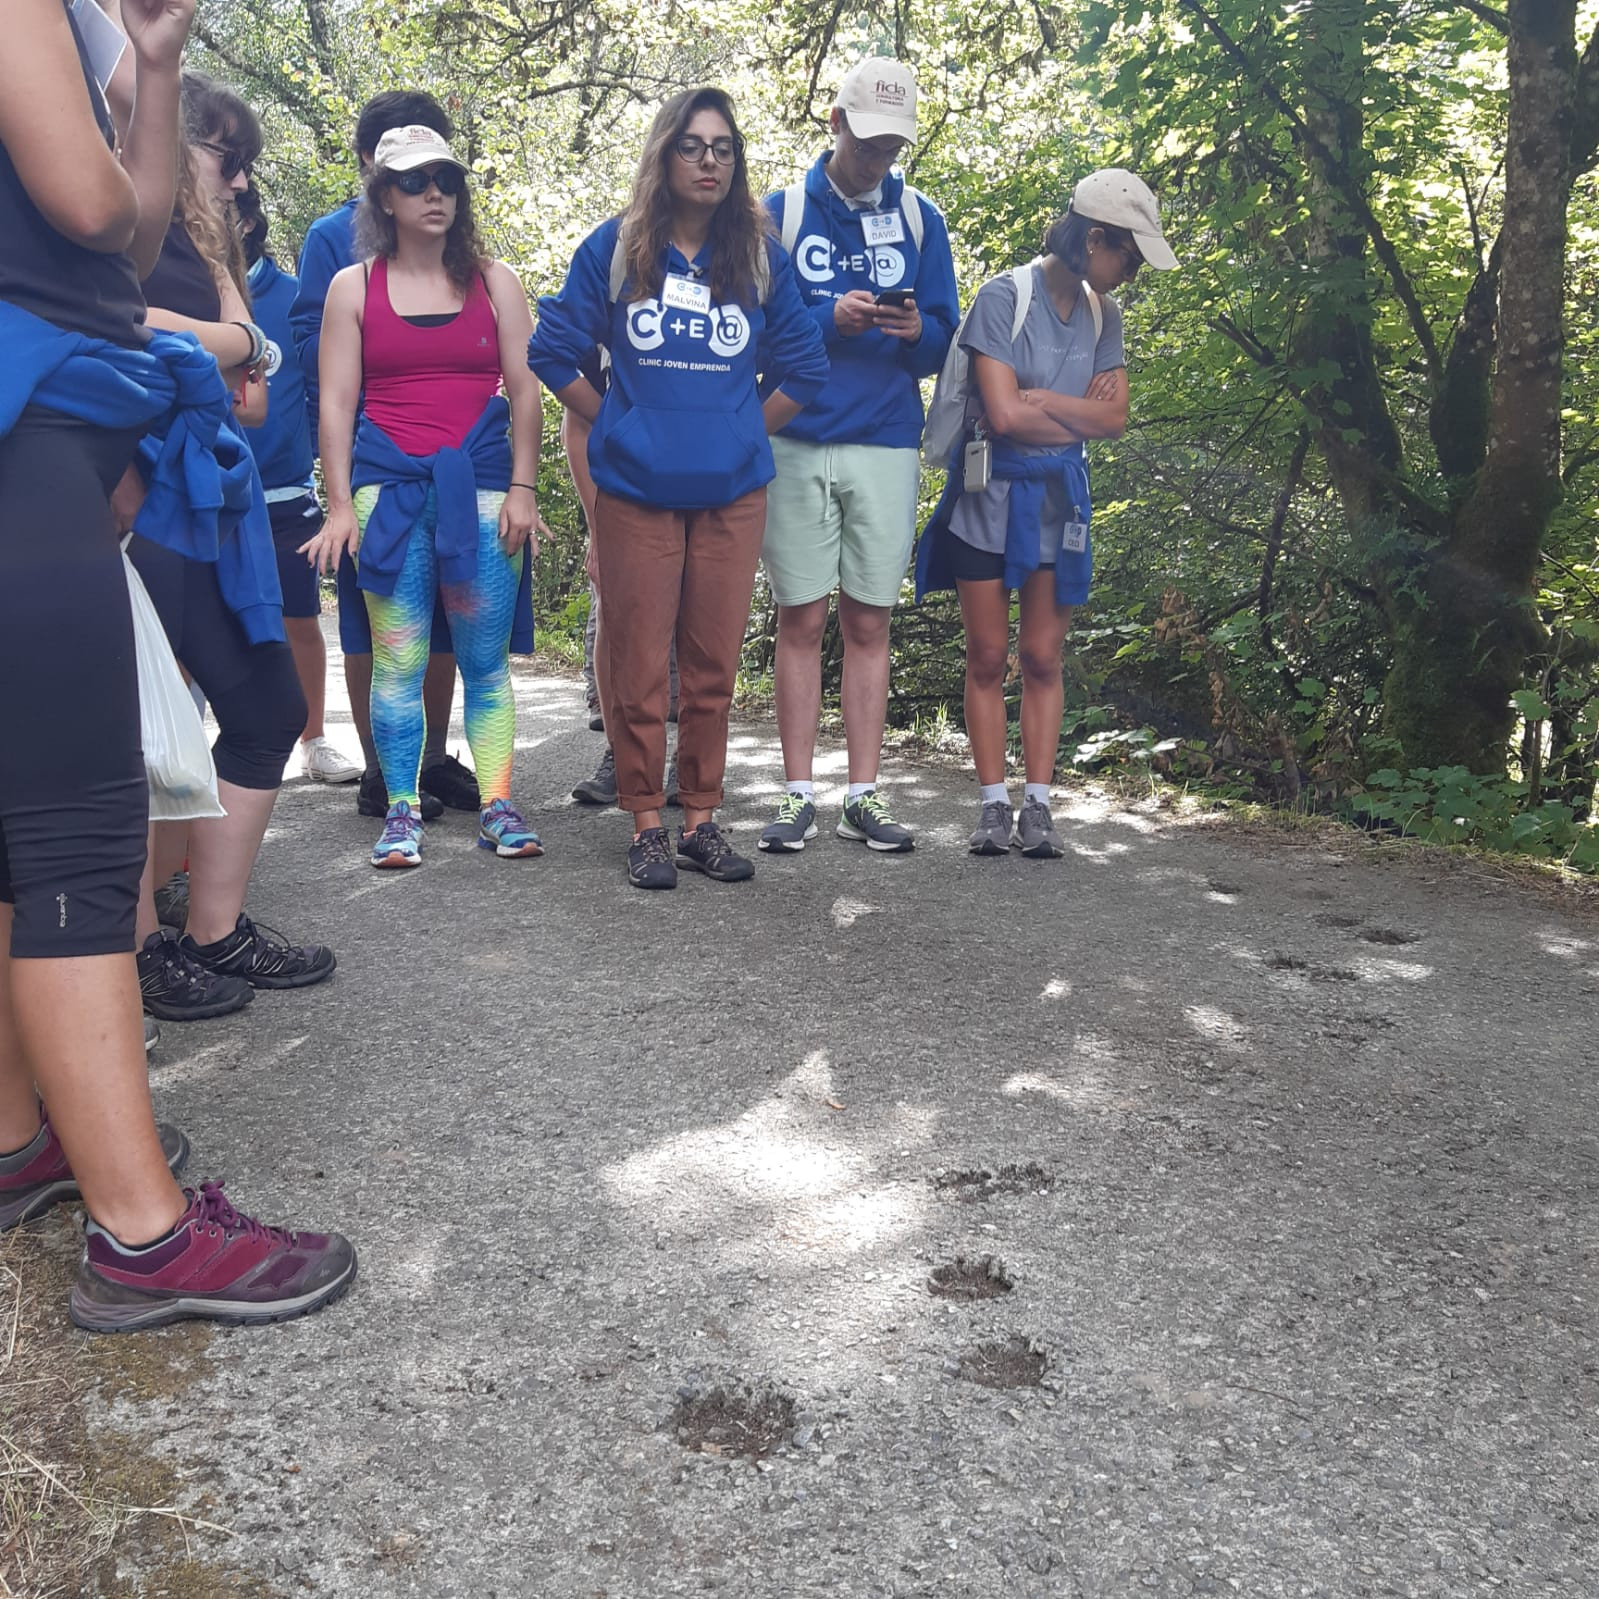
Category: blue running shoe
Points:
column 401, row 843
column 501, row 829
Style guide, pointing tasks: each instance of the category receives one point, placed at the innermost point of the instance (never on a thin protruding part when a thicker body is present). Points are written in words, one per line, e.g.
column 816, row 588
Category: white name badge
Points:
column 682, row 294
column 882, row 227
column 1074, row 538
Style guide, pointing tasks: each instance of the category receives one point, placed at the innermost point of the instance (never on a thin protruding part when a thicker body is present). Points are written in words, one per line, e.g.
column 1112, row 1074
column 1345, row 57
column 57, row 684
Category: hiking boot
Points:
column 992, row 834
column 671, row 783
column 322, row 761
column 172, row 902
column 501, row 829
column 596, row 719
column 601, row 788
column 215, row 1264
column 649, row 860
column 452, row 784
column 1035, row 833
column 262, row 957
column 866, row 821
column 152, row 1034
column 793, row 825
column 372, row 798
column 177, row 988
column 37, row 1176
column 705, row 850
column 400, row 842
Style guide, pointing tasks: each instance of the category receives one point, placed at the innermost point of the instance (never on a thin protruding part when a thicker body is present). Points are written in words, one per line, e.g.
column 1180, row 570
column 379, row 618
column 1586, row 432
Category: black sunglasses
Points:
column 232, row 162
column 448, row 179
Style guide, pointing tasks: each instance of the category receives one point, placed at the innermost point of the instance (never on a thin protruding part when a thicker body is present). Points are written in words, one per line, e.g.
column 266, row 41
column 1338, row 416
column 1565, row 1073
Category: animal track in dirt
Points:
column 978, row 1183
column 1387, row 935
column 984, row 1278
column 1334, row 974
column 1220, row 886
column 1012, row 1363
column 1336, row 919
column 1286, row 963
column 746, row 1422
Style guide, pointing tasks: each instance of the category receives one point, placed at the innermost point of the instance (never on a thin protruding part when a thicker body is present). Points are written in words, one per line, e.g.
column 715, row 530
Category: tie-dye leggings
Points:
column 480, row 615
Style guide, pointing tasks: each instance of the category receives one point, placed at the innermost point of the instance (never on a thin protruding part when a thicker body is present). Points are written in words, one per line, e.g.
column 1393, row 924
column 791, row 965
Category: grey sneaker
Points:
column 1035, row 833
column 992, row 834
column 601, row 788
column 796, row 822
column 706, row 850
column 866, row 821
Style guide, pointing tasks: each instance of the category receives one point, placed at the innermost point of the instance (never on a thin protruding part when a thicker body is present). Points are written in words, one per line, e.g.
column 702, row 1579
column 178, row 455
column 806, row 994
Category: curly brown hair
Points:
column 740, row 226
column 210, row 229
column 464, row 255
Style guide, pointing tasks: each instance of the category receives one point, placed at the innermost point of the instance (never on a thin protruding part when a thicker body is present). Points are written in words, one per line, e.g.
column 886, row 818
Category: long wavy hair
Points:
column 740, row 225
column 375, row 235
column 214, row 114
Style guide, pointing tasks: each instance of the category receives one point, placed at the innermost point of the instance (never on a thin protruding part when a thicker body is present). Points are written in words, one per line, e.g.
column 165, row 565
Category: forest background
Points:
column 1346, row 552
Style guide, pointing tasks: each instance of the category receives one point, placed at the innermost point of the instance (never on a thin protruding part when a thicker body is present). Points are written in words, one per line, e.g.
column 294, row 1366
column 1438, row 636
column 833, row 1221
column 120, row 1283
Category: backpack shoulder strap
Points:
column 1022, row 277
column 793, row 214
column 618, row 270
column 910, row 206
column 1096, row 311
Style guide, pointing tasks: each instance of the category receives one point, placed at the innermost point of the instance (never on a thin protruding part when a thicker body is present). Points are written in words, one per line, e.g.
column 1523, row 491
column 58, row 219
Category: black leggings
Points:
column 253, row 689
column 73, row 802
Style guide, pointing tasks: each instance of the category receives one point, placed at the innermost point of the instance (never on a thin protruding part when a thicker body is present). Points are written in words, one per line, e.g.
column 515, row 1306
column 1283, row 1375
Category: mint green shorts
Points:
column 839, row 516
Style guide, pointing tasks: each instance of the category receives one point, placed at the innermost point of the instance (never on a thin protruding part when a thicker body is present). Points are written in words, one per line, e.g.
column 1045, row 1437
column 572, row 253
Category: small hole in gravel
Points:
column 970, row 1279
column 734, row 1422
column 1336, row 919
column 1217, row 886
column 1334, row 974
column 1015, row 1363
column 1387, row 935
column 1287, row 963
column 979, row 1183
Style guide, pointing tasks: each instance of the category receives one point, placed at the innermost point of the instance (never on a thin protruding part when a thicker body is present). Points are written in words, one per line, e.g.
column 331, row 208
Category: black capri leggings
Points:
column 73, row 801
column 253, row 689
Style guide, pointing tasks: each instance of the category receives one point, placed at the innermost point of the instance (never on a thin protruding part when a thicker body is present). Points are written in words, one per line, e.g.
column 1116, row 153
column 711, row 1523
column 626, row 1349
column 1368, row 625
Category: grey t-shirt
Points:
column 1047, row 354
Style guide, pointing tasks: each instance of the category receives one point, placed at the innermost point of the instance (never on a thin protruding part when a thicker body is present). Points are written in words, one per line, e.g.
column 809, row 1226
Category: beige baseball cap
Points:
column 401, row 149
column 1121, row 199
column 879, row 97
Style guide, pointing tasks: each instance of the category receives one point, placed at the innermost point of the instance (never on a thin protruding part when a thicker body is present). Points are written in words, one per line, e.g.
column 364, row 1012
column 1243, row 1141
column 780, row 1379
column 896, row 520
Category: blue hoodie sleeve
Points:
column 792, row 343
column 571, row 323
column 937, row 297
column 319, row 265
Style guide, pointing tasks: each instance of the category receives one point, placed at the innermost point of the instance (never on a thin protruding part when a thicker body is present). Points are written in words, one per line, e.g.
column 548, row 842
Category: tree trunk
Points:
column 1462, row 643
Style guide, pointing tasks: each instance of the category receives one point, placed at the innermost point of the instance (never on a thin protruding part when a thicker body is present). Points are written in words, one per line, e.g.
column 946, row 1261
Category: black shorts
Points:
column 293, row 523
column 74, row 804
column 972, row 565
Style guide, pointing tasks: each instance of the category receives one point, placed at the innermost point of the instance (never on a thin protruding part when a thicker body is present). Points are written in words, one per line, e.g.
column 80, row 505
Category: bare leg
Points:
column 222, row 851
column 865, row 687
column 985, row 611
column 1042, row 635
column 797, row 684
column 311, row 663
column 358, row 684
column 77, row 1024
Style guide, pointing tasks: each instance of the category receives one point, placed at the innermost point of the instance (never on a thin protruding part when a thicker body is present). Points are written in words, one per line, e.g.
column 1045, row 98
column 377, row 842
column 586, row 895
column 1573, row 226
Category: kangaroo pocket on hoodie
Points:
column 679, row 458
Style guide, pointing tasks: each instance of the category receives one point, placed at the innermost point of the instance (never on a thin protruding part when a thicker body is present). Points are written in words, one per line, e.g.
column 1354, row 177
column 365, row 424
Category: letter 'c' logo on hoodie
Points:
column 814, row 258
column 644, row 326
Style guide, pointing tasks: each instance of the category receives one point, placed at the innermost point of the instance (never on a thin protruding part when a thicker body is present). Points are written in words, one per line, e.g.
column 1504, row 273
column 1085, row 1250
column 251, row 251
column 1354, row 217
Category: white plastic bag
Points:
column 177, row 759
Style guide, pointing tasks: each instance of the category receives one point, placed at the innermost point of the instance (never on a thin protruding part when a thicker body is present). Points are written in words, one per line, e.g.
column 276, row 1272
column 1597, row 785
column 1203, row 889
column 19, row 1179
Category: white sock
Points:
column 857, row 789
column 1036, row 791
column 802, row 786
column 993, row 793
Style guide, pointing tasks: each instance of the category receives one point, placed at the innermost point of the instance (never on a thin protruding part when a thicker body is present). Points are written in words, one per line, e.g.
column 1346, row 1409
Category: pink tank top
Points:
column 427, row 386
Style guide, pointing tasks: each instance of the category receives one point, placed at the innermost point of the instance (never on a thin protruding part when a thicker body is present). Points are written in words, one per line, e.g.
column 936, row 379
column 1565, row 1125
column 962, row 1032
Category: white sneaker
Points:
column 322, row 763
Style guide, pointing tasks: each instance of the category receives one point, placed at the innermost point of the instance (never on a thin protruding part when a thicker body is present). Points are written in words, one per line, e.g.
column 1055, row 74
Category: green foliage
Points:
column 1449, row 805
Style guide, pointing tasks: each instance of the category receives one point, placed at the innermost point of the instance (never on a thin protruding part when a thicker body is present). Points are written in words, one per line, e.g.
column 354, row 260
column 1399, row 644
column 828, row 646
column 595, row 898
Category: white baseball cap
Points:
column 401, row 149
column 879, row 97
column 1121, row 199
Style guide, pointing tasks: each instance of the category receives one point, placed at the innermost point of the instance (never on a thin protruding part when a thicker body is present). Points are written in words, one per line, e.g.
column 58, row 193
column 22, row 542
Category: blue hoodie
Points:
column 282, row 444
column 680, row 425
column 871, row 395
column 329, row 247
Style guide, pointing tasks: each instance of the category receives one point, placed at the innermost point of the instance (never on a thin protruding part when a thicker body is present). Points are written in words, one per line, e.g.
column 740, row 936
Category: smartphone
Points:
column 895, row 297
